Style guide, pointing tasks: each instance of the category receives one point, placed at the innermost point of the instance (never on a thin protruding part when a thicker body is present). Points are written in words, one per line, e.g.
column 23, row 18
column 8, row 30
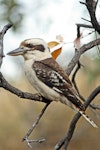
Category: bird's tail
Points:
column 88, row 118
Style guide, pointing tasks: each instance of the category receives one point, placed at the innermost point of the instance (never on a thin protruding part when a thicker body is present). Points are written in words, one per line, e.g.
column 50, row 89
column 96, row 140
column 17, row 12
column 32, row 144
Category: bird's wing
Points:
column 51, row 74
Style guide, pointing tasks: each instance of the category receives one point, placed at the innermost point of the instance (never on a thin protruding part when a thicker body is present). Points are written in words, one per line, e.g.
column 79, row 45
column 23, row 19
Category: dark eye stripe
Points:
column 40, row 47
column 37, row 47
column 29, row 45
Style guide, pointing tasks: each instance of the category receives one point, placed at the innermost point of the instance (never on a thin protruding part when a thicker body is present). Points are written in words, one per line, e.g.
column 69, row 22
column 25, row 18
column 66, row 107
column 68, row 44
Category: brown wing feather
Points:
column 55, row 66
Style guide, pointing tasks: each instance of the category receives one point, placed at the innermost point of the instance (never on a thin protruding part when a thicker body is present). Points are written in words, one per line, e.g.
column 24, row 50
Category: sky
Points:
column 44, row 19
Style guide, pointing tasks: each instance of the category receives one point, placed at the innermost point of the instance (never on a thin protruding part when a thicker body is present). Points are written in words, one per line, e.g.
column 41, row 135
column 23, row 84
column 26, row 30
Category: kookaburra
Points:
column 46, row 75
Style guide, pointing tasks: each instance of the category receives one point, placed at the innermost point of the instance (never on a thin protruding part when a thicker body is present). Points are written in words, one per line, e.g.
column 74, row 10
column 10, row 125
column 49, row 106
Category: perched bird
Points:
column 46, row 75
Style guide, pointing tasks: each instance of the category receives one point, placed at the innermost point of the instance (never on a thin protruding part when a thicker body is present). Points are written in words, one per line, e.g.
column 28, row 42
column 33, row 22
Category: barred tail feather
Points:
column 88, row 119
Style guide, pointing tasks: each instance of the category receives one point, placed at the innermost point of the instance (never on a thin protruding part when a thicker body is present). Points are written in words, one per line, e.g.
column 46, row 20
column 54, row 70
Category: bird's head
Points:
column 34, row 48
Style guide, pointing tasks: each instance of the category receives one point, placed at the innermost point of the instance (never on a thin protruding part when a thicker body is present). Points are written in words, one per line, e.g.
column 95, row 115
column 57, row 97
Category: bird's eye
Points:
column 40, row 47
column 29, row 45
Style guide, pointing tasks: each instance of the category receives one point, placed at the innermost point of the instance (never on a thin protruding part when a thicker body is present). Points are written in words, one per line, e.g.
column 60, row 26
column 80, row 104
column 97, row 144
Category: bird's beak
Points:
column 16, row 52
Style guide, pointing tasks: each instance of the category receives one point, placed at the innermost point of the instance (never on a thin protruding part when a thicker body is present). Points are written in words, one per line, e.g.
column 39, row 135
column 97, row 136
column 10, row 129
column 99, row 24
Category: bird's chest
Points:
column 41, row 87
column 30, row 74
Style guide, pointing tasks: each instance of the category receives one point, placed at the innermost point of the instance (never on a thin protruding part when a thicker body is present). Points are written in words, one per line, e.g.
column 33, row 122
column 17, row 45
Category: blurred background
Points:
column 46, row 19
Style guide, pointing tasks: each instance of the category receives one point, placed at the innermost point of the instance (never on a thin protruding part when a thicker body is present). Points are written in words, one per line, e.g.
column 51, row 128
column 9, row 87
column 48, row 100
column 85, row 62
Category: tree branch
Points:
column 75, row 85
column 84, row 25
column 2, row 33
column 91, row 6
column 78, row 54
column 25, row 138
column 74, row 121
column 36, row 97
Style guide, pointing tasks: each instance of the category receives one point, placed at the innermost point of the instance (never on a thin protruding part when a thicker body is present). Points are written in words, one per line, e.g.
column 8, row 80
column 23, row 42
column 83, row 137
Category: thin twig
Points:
column 84, row 25
column 78, row 67
column 93, row 106
column 93, row 94
column 96, row 107
column 2, row 33
column 25, row 138
column 82, row 3
column 87, row 21
column 74, row 82
column 78, row 54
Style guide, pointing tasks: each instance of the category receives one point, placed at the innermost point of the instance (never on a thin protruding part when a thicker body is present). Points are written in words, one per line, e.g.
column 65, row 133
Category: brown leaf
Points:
column 55, row 48
column 59, row 38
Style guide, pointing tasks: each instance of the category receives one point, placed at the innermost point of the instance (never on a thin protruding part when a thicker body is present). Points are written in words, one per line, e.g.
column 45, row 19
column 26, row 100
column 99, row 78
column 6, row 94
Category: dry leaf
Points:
column 56, row 53
column 52, row 44
column 59, row 38
column 55, row 48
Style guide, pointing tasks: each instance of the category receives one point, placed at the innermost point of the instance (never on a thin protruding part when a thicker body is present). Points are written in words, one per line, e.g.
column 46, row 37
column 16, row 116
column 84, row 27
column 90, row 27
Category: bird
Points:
column 47, row 76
